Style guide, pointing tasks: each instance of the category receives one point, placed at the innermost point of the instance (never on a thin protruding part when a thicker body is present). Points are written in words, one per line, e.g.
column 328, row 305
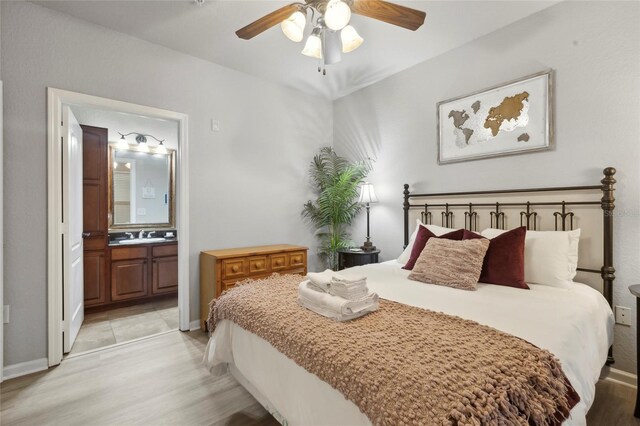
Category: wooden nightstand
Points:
column 635, row 290
column 348, row 258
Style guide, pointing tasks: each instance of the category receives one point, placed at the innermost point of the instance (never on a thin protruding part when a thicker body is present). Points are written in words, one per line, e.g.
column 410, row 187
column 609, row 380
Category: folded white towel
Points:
column 348, row 280
column 330, row 314
column 321, row 279
column 354, row 294
column 334, row 306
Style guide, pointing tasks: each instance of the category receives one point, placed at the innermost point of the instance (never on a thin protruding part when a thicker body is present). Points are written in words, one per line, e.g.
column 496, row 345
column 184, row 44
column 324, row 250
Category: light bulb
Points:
column 337, row 14
column 313, row 47
column 160, row 149
column 122, row 143
column 293, row 26
column 351, row 40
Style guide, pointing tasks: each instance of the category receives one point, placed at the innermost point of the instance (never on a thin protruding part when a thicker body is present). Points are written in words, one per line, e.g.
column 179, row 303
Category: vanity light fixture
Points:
column 141, row 142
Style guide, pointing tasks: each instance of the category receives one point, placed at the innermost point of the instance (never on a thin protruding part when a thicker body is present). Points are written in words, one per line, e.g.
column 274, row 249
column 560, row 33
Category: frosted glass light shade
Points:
column 122, row 144
column 161, row 149
column 293, row 26
column 313, row 47
column 367, row 194
column 351, row 40
column 337, row 15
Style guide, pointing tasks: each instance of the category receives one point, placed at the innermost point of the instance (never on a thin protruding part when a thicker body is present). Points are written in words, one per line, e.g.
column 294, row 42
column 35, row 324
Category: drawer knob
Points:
column 278, row 262
column 259, row 264
column 235, row 268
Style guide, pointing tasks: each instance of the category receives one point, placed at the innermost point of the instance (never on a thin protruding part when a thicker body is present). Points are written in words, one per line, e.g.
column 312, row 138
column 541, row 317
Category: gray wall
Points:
column 247, row 182
column 594, row 47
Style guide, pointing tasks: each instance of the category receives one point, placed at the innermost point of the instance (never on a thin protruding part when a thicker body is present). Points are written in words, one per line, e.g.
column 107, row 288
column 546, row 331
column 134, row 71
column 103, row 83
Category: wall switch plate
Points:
column 623, row 315
column 5, row 314
column 215, row 125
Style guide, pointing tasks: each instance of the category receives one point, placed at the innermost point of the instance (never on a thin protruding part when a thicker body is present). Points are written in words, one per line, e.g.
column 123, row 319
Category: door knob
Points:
column 86, row 234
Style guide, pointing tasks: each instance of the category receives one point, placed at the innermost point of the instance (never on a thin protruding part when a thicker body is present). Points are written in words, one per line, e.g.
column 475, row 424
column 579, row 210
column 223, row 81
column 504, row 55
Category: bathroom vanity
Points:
column 130, row 245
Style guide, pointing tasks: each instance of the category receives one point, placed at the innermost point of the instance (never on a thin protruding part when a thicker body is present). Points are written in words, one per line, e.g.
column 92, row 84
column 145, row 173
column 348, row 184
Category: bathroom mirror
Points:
column 141, row 189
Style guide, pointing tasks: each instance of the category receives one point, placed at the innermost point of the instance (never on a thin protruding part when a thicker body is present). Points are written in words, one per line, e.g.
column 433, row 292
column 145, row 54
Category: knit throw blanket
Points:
column 403, row 365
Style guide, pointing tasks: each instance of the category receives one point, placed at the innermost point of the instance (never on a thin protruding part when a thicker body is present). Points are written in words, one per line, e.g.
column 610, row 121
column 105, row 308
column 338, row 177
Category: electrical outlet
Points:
column 5, row 314
column 623, row 315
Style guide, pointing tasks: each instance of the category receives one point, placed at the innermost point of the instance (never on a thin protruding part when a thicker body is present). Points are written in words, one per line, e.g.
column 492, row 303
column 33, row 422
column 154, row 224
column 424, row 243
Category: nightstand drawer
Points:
column 232, row 268
column 278, row 261
column 296, row 259
column 258, row 264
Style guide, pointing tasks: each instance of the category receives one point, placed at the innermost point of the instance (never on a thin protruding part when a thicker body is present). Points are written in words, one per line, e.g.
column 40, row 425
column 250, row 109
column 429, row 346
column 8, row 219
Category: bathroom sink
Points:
column 141, row 241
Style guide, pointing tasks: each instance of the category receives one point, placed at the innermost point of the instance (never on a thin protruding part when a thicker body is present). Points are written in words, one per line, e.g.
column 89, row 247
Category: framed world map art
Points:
column 511, row 118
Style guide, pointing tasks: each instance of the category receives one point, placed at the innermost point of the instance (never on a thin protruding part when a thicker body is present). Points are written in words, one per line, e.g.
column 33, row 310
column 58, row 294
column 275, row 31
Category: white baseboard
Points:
column 24, row 368
column 194, row 325
column 619, row 376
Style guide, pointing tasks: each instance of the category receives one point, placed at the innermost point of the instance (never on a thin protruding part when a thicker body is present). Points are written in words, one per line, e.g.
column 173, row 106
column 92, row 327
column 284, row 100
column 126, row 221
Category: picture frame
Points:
column 511, row 118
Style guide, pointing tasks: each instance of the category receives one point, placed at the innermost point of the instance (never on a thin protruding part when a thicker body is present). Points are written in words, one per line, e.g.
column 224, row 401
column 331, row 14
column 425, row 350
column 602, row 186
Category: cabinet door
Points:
column 129, row 279
column 165, row 275
column 95, row 279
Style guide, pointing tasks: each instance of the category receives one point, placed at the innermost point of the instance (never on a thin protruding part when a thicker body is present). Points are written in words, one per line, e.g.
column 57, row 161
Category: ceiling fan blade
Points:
column 266, row 22
column 390, row 13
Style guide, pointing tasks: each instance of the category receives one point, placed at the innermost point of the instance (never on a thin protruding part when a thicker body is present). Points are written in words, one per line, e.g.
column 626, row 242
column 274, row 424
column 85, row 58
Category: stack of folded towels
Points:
column 337, row 296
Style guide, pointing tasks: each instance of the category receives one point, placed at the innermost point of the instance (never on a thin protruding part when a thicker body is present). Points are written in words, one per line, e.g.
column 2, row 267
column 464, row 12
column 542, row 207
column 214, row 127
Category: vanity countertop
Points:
column 140, row 242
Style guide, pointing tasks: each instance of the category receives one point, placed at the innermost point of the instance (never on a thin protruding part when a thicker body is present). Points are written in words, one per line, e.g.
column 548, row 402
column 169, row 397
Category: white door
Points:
column 73, row 270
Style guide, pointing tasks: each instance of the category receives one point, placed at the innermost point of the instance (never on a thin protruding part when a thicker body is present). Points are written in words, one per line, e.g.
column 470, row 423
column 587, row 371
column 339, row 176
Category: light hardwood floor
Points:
column 161, row 381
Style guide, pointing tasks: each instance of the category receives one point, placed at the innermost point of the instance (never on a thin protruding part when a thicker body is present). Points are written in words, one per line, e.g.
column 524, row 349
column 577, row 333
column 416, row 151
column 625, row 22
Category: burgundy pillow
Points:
column 504, row 262
column 421, row 240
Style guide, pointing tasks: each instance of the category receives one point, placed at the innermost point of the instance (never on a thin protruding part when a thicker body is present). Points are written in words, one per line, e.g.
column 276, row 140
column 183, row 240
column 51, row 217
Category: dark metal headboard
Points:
column 563, row 217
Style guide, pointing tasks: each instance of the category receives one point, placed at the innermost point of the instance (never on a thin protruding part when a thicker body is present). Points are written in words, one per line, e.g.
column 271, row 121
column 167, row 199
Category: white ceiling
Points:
column 208, row 32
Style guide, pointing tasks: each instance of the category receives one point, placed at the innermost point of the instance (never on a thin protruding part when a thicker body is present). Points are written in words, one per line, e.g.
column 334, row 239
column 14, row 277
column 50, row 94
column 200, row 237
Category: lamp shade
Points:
column 293, row 26
column 313, row 46
column 351, row 40
column 367, row 194
column 337, row 14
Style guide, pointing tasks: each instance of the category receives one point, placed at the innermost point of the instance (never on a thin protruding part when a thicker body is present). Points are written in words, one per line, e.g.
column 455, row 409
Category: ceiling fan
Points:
column 331, row 34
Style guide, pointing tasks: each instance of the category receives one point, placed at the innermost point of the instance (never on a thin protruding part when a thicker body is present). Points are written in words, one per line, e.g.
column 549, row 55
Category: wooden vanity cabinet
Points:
column 132, row 273
column 164, row 271
column 129, row 272
column 95, row 147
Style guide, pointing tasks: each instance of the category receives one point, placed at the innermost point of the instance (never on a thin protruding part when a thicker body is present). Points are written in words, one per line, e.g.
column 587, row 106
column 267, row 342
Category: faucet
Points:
column 129, row 234
column 141, row 234
column 150, row 234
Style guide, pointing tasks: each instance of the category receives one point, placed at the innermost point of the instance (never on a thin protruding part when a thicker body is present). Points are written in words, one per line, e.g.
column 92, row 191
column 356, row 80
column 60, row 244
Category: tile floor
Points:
column 106, row 328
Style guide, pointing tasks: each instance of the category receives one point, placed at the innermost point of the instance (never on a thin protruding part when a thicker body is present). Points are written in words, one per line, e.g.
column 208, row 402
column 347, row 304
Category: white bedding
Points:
column 575, row 324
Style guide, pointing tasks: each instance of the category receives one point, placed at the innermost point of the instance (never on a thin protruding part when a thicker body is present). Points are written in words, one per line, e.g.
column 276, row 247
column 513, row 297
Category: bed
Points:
column 575, row 324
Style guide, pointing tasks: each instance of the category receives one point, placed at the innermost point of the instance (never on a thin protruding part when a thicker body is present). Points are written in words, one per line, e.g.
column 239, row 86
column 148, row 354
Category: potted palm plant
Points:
column 336, row 181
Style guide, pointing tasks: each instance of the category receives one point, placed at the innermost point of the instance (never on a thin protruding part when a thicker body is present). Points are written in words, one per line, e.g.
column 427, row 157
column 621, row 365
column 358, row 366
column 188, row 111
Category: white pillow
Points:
column 406, row 254
column 550, row 257
column 437, row 230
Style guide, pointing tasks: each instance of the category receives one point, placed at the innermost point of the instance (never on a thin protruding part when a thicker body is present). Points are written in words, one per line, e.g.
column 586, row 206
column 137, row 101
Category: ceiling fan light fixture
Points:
column 337, row 15
column 351, row 40
column 293, row 26
column 313, row 46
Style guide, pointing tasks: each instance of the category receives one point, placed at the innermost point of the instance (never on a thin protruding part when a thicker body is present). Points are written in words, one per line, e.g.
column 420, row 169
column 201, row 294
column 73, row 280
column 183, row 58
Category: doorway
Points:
column 135, row 276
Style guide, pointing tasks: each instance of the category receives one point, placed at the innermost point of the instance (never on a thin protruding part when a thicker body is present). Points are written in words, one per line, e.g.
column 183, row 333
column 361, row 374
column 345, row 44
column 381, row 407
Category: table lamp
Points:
column 367, row 196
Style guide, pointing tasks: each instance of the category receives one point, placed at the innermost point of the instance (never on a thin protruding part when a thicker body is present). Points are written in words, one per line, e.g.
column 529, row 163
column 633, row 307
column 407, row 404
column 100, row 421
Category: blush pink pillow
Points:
column 425, row 235
column 504, row 261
